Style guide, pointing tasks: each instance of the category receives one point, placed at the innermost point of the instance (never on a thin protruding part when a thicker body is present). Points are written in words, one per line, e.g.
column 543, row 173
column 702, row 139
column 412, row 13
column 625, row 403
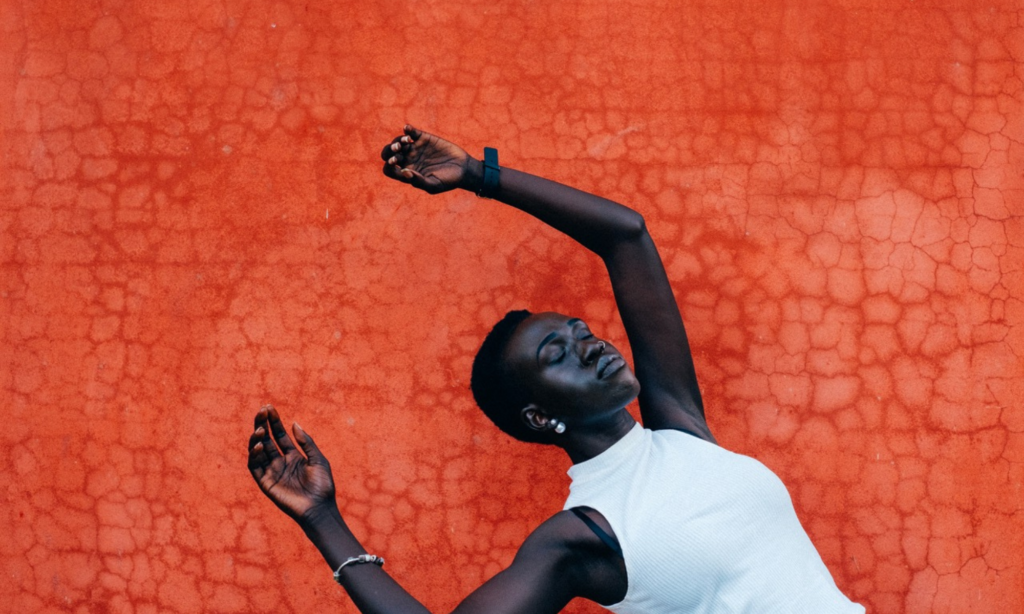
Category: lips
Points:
column 608, row 364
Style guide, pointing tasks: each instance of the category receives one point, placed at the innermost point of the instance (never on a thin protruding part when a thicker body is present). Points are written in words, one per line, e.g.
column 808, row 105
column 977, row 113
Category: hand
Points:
column 298, row 484
column 428, row 162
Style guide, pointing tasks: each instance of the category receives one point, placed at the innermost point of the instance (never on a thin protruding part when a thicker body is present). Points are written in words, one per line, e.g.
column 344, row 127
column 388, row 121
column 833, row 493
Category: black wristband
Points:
column 491, row 171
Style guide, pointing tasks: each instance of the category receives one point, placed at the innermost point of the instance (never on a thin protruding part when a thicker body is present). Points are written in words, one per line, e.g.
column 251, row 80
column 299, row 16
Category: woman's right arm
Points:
column 541, row 579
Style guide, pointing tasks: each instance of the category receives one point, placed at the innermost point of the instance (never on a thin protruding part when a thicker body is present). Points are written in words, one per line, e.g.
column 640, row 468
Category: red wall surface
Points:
column 193, row 223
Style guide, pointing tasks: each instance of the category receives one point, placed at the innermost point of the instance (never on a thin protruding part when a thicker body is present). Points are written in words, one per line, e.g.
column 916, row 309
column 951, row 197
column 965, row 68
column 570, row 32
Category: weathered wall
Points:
column 193, row 223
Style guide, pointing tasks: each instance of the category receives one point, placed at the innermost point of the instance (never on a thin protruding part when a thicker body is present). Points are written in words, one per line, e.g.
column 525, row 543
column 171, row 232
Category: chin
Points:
column 629, row 380
column 627, row 392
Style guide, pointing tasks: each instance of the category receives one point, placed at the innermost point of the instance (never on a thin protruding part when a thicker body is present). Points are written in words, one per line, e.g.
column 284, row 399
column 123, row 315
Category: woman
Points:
column 659, row 518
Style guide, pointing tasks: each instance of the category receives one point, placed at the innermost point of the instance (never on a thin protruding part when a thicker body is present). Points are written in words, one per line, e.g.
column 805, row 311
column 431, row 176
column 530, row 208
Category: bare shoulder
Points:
column 559, row 535
column 564, row 541
column 550, row 570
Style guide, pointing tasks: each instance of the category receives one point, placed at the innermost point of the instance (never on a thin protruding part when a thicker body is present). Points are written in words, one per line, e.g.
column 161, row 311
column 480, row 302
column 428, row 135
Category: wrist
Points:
column 473, row 175
column 320, row 517
column 326, row 529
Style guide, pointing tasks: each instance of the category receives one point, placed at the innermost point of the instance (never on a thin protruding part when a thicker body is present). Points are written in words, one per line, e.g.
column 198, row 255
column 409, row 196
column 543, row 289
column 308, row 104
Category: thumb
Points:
column 305, row 442
column 417, row 180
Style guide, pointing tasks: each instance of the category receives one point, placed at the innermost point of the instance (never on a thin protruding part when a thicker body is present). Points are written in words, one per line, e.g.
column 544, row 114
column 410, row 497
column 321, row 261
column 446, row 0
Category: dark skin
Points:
column 572, row 377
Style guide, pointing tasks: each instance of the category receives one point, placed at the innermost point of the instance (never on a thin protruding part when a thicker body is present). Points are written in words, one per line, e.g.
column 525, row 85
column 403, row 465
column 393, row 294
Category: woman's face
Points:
column 569, row 373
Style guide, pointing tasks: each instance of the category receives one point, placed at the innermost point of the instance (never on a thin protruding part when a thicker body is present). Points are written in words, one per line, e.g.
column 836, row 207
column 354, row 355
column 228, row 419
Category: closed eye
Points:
column 579, row 332
column 582, row 332
column 559, row 357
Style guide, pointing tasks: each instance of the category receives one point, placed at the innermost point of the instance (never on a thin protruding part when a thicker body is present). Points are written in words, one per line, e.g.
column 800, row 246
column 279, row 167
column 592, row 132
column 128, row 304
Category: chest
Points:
column 704, row 517
column 694, row 522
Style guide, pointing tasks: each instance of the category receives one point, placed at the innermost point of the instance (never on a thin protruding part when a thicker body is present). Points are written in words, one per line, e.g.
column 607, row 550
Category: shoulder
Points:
column 564, row 538
column 561, row 532
column 566, row 546
column 554, row 547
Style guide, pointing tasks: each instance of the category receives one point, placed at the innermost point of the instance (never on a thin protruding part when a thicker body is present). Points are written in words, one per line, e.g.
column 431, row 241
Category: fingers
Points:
column 261, row 417
column 257, row 461
column 261, row 427
column 389, row 150
column 281, row 437
column 413, row 132
column 395, row 155
column 310, row 448
column 397, row 152
column 397, row 159
column 262, row 453
column 257, row 457
column 262, row 448
column 256, row 438
column 270, row 449
column 398, row 145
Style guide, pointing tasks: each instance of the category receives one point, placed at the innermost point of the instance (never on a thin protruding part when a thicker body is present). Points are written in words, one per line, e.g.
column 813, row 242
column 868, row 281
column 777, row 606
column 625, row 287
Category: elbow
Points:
column 626, row 228
column 634, row 227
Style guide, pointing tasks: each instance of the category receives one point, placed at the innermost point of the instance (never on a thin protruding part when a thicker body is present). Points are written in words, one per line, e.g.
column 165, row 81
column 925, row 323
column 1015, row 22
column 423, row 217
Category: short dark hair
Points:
column 493, row 386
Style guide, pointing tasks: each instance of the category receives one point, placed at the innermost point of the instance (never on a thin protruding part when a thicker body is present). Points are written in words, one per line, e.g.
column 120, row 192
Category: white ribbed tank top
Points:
column 703, row 530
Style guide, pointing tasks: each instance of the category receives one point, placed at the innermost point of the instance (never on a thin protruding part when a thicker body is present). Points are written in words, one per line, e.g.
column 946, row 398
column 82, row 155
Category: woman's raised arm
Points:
column 669, row 395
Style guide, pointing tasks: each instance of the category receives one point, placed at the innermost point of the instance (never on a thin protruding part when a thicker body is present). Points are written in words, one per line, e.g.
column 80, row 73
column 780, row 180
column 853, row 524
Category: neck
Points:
column 584, row 442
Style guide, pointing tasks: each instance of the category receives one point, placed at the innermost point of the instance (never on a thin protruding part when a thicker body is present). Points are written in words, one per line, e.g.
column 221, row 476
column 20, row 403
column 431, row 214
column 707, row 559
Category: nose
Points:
column 592, row 349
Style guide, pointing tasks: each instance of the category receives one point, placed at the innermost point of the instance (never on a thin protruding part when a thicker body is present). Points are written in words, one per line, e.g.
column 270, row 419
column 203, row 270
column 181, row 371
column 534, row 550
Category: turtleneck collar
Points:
column 608, row 460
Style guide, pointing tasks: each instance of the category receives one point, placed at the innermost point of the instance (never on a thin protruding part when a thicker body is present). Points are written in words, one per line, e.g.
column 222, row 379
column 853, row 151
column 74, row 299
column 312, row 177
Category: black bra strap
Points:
column 607, row 539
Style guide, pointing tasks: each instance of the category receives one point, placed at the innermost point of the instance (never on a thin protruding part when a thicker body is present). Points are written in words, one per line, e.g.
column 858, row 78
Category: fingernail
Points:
column 392, row 160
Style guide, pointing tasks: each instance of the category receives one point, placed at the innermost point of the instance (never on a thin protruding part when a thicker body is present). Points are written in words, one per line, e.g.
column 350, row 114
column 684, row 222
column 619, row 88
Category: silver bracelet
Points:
column 358, row 560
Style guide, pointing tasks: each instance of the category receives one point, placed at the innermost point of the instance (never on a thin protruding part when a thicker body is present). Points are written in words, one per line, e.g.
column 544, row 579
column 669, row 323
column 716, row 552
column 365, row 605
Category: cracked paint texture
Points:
column 193, row 223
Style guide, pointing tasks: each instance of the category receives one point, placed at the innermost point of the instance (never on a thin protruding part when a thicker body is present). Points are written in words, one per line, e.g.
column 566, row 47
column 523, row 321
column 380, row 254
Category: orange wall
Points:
column 193, row 222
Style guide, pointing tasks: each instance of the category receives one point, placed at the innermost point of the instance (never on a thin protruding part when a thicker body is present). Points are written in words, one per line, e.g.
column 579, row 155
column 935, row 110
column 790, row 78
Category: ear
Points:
column 534, row 417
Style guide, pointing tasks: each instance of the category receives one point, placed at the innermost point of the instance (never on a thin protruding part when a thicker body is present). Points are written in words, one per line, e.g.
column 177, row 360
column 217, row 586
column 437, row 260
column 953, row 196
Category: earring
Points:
column 557, row 426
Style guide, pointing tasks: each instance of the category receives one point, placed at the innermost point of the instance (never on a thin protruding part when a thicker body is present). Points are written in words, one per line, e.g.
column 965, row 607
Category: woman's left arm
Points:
column 669, row 395
column 552, row 567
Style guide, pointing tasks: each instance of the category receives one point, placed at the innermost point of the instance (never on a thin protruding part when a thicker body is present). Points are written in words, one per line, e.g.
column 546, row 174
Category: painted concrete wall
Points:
column 193, row 222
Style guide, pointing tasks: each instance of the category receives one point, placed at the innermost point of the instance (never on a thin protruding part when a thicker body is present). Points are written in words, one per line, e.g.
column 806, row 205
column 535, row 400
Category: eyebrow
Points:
column 552, row 335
